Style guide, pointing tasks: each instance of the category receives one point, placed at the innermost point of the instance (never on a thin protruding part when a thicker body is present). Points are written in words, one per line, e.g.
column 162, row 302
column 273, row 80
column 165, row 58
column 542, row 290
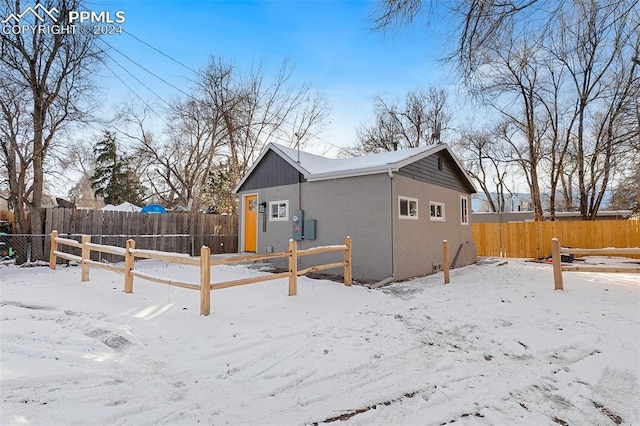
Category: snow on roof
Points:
column 318, row 167
column 315, row 167
column 124, row 207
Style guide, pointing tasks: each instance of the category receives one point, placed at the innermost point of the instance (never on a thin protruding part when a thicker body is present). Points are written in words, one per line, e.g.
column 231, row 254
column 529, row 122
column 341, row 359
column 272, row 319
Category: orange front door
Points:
column 250, row 223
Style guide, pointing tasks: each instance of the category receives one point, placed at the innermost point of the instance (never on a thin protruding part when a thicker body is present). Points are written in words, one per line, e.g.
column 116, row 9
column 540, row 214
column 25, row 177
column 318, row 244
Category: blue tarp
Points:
column 153, row 208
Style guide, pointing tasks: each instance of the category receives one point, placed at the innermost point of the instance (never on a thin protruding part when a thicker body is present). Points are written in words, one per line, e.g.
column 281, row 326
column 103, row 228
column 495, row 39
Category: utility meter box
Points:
column 298, row 220
column 309, row 229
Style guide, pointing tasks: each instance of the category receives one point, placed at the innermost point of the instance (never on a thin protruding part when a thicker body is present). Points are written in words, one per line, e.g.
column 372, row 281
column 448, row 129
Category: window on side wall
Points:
column 279, row 210
column 408, row 208
column 464, row 210
column 437, row 211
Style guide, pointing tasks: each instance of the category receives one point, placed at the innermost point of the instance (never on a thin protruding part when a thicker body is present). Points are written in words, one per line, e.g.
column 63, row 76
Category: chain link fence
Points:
column 29, row 248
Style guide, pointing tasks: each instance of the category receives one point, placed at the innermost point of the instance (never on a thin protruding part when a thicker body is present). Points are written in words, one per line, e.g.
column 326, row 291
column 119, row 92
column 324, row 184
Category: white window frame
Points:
column 279, row 218
column 441, row 218
column 409, row 200
column 464, row 210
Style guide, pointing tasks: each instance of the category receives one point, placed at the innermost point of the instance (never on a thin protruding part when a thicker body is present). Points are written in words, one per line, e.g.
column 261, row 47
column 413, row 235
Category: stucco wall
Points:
column 358, row 207
column 418, row 243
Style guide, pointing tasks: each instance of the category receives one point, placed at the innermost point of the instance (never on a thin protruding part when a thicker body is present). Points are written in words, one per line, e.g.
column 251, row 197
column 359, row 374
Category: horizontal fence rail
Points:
column 533, row 239
column 22, row 244
column 558, row 250
column 204, row 262
column 182, row 232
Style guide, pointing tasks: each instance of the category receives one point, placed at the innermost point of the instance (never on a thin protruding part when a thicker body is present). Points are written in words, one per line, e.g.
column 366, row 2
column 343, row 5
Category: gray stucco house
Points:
column 397, row 207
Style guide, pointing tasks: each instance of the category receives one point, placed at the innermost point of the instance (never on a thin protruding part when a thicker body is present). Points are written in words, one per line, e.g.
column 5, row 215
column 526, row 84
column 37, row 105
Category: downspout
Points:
column 299, row 191
column 393, row 221
column 299, row 174
column 390, row 279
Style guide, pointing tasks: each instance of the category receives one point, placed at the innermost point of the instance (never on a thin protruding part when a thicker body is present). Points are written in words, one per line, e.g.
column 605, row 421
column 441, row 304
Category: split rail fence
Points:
column 204, row 262
column 557, row 251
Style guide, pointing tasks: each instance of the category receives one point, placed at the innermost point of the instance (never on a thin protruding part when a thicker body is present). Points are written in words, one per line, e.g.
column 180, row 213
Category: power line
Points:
column 162, row 53
column 146, row 69
column 136, row 94
column 136, row 79
column 171, row 85
column 152, row 91
column 199, row 74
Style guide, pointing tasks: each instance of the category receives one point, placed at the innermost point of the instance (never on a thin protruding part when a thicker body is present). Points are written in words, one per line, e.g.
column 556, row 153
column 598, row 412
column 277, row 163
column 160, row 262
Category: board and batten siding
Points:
column 272, row 171
column 426, row 170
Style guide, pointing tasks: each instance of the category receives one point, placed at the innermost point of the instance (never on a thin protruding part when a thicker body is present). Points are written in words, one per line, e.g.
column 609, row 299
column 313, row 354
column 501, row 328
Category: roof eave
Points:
column 434, row 150
column 351, row 173
column 274, row 148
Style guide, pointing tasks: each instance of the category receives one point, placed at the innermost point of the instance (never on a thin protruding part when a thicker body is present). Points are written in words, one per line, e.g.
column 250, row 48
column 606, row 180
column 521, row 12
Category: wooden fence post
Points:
column 54, row 247
column 348, row 278
column 445, row 260
column 205, row 280
column 293, row 268
column 86, row 254
column 557, row 264
column 128, row 266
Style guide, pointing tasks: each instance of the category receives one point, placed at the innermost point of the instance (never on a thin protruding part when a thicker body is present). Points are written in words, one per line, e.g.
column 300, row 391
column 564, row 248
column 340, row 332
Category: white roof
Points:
column 315, row 167
column 124, row 207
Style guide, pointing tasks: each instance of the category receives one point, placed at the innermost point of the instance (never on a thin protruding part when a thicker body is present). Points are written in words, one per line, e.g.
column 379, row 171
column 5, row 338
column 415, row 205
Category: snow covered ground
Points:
column 497, row 346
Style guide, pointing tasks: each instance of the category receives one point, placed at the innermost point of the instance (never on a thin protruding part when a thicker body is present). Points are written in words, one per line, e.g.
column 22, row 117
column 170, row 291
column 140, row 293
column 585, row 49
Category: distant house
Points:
column 513, row 202
column 505, row 217
column 397, row 207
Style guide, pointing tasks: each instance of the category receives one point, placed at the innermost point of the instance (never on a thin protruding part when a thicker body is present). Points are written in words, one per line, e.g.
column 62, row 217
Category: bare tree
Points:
column 485, row 161
column 178, row 162
column 510, row 82
column 213, row 136
column 256, row 109
column 80, row 161
column 561, row 73
column 626, row 193
column 419, row 121
column 596, row 47
column 44, row 77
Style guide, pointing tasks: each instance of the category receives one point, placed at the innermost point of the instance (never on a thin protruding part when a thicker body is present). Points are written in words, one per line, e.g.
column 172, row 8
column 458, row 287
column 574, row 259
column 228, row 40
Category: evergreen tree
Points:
column 113, row 178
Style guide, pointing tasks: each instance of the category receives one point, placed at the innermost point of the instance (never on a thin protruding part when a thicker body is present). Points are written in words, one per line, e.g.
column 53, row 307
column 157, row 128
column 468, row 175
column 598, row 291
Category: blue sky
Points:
column 330, row 43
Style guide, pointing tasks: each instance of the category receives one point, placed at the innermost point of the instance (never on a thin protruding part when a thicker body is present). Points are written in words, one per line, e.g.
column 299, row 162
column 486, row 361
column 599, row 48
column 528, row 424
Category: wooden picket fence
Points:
column 181, row 232
column 175, row 232
column 533, row 239
column 204, row 262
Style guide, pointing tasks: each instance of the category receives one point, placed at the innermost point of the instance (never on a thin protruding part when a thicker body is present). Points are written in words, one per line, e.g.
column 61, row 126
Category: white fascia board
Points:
column 351, row 173
column 464, row 172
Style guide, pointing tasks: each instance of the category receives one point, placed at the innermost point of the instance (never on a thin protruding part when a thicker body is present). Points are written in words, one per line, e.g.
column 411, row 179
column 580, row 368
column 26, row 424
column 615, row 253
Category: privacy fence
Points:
column 183, row 232
column 533, row 239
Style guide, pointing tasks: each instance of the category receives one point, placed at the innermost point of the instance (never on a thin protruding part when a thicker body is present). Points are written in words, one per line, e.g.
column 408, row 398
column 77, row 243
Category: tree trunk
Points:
column 35, row 211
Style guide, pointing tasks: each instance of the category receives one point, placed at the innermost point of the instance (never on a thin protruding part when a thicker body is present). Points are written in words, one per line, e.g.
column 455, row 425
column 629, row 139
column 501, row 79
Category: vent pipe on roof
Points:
column 297, row 135
column 298, row 145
